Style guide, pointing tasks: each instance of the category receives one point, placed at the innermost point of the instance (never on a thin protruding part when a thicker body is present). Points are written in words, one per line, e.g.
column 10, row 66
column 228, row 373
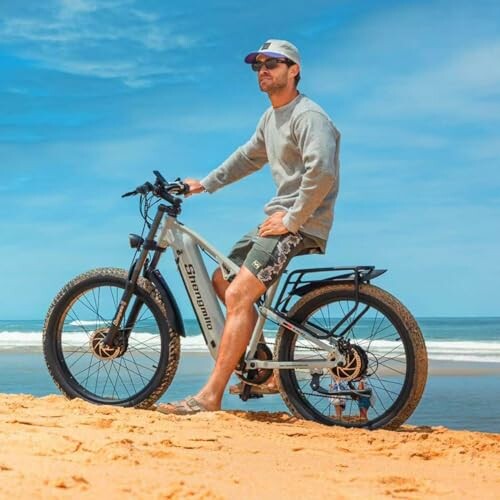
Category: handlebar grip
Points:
column 185, row 188
column 178, row 187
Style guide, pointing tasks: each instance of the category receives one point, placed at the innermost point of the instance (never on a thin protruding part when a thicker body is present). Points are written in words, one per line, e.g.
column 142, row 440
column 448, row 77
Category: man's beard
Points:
column 271, row 87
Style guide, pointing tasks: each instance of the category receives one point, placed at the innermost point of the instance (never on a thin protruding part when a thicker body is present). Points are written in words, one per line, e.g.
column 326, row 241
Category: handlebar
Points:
column 162, row 189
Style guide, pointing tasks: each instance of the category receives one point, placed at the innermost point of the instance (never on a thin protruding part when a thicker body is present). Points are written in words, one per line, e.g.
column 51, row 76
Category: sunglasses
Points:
column 270, row 63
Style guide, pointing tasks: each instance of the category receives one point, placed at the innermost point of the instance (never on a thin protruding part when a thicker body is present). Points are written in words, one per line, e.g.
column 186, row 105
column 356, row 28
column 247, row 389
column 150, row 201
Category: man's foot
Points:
column 188, row 406
column 263, row 389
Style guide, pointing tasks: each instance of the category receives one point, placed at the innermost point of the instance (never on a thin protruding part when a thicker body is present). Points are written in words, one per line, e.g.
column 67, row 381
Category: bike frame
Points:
column 167, row 232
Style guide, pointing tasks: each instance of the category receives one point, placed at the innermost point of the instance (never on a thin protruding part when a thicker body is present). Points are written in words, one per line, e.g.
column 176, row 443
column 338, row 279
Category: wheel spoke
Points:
column 77, row 349
column 117, row 373
column 381, row 364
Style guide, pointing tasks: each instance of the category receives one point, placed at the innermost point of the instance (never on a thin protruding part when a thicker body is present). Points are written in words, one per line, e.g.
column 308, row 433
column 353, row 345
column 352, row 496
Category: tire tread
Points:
column 408, row 322
column 146, row 285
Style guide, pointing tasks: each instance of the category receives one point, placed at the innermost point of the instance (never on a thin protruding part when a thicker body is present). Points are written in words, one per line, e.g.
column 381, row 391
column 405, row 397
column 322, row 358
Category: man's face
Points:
column 276, row 79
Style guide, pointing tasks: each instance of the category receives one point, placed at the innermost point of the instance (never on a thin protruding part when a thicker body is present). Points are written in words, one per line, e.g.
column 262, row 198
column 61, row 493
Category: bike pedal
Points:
column 247, row 393
column 246, row 397
column 255, row 396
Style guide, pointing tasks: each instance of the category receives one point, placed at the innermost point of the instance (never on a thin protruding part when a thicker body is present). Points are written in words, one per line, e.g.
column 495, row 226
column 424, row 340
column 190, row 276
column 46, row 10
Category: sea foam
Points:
column 472, row 351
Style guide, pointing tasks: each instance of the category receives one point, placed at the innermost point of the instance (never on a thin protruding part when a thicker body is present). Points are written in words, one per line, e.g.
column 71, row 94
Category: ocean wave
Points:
column 478, row 351
column 85, row 322
column 10, row 340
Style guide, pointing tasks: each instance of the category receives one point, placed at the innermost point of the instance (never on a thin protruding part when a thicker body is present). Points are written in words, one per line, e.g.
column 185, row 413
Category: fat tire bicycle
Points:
column 112, row 336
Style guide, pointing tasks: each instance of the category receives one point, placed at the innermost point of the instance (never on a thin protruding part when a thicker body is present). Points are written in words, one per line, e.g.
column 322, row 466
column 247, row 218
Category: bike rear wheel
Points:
column 386, row 354
column 138, row 370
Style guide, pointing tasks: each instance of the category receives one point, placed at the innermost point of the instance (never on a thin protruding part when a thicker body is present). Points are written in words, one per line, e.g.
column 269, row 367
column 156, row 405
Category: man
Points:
column 301, row 145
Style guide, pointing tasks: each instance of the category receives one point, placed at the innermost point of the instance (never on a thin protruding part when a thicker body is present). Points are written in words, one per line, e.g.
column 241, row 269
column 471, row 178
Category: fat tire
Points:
column 63, row 301
column 407, row 327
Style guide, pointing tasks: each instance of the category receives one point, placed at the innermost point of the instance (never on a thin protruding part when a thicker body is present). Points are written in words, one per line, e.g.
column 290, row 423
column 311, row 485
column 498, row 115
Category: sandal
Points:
column 256, row 389
column 188, row 406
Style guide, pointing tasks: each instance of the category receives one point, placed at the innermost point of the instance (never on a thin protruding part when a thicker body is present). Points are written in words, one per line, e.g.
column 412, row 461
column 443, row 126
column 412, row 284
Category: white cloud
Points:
column 73, row 7
column 101, row 39
column 70, row 8
column 465, row 88
column 418, row 60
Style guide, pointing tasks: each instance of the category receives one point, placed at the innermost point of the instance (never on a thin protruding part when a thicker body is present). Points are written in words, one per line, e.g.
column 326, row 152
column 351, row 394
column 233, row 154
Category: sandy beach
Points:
column 55, row 448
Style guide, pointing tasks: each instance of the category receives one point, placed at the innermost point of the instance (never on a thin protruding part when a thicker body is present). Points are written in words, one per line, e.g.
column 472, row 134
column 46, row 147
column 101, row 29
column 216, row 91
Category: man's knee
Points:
column 244, row 291
column 238, row 298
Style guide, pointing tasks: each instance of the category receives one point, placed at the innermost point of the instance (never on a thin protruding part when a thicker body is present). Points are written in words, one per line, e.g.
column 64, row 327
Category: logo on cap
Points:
column 265, row 46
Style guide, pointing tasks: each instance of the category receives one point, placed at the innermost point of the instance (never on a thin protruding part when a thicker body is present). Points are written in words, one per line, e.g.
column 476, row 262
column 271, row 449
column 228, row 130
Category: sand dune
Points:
column 52, row 447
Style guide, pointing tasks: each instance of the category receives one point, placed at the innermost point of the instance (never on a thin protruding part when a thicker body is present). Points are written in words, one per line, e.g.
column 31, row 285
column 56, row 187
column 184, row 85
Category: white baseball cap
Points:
column 276, row 48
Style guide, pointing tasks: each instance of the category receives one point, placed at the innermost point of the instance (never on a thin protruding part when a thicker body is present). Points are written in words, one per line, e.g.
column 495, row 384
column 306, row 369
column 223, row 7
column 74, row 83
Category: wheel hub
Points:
column 356, row 362
column 101, row 350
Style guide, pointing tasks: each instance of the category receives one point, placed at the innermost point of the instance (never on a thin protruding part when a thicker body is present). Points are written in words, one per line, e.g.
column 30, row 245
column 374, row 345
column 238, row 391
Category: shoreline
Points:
column 458, row 397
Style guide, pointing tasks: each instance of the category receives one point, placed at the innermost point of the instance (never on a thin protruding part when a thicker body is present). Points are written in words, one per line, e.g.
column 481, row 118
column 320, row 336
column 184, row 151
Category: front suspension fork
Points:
column 135, row 271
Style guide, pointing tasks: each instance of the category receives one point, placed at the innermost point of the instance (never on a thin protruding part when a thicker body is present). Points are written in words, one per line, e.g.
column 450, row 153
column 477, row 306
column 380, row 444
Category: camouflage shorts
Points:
column 266, row 257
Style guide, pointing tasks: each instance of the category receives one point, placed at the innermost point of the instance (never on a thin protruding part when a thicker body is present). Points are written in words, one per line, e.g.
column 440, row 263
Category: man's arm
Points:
column 317, row 140
column 246, row 159
column 195, row 186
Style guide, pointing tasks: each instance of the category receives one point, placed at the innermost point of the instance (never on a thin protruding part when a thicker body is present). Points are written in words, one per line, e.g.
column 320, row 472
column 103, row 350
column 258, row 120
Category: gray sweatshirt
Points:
column 301, row 145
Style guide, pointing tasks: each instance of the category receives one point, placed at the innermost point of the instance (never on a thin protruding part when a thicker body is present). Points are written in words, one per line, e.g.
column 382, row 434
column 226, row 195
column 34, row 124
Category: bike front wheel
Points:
column 385, row 369
column 138, row 370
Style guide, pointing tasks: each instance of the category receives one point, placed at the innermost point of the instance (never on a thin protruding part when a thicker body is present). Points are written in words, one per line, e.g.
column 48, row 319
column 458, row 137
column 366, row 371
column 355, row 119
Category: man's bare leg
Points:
column 221, row 285
column 240, row 297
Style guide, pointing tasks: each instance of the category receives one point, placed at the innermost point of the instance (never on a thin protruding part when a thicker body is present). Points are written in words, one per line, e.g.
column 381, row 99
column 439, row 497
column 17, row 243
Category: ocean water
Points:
column 474, row 340
column 455, row 398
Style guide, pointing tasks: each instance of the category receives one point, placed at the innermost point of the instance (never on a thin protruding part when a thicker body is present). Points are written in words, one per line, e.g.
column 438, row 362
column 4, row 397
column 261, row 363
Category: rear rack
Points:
column 301, row 281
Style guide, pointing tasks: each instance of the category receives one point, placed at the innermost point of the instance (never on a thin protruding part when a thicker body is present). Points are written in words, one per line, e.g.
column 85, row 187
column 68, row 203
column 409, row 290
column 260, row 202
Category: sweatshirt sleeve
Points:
column 246, row 159
column 317, row 140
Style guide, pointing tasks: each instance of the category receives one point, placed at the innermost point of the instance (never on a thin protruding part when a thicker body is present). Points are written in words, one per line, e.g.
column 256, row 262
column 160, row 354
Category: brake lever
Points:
column 183, row 188
column 146, row 188
column 130, row 193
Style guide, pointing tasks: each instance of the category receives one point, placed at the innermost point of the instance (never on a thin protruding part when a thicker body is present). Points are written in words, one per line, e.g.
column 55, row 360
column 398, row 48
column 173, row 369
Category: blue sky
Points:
column 96, row 94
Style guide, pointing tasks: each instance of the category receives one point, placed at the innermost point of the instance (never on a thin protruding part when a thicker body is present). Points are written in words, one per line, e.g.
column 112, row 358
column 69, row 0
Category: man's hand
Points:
column 273, row 225
column 195, row 186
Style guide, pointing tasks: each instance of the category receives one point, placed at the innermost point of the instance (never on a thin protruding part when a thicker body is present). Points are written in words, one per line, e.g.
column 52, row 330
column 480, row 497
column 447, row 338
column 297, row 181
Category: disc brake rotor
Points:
column 102, row 351
column 356, row 362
